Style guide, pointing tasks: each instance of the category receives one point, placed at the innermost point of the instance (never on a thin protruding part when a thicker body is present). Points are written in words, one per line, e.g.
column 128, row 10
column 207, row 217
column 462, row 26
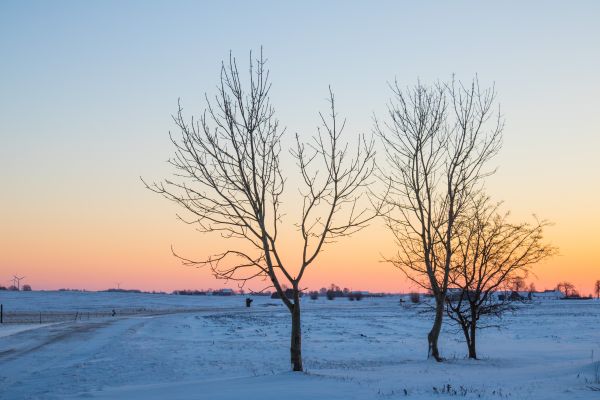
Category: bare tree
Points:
column 437, row 140
column 517, row 283
column 492, row 254
column 597, row 289
column 415, row 297
column 567, row 288
column 230, row 181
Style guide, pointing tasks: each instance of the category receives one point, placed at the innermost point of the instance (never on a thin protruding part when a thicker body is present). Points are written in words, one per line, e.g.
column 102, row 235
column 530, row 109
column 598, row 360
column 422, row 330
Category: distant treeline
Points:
column 13, row 288
column 191, row 292
column 123, row 290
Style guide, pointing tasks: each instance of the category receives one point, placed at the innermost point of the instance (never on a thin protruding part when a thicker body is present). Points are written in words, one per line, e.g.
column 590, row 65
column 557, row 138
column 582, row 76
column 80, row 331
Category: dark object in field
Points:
column 114, row 312
column 248, row 301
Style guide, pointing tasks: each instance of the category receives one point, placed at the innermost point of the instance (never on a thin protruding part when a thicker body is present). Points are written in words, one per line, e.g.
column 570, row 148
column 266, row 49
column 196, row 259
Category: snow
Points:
column 94, row 301
column 371, row 349
column 11, row 329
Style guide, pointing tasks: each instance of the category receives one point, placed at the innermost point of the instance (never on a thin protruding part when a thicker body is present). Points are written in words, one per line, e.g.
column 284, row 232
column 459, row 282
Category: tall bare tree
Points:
column 438, row 140
column 229, row 179
column 492, row 253
column 597, row 289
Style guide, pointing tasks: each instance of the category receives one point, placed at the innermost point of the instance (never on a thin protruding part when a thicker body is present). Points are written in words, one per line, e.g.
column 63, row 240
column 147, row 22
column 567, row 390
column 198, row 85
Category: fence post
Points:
column 1, row 313
column 40, row 317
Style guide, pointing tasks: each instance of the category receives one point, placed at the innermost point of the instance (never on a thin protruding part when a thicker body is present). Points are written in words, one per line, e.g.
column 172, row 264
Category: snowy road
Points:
column 372, row 349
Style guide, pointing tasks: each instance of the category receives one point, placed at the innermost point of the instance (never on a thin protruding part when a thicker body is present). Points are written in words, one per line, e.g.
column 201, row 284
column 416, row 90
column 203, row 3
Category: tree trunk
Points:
column 296, row 340
column 473, row 327
column 469, row 332
column 434, row 334
column 465, row 328
column 471, row 344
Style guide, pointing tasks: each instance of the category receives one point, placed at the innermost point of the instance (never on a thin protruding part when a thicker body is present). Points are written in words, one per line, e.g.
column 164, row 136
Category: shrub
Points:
column 314, row 295
column 355, row 296
column 26, row 288
column 415, row 297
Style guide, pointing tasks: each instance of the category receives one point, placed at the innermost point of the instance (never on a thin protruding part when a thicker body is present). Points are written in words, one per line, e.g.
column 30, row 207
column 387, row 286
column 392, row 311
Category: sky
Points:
column 87, row 90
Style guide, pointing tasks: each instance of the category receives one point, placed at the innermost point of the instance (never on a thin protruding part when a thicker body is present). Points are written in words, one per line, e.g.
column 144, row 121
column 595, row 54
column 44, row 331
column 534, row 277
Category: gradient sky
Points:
column 87, row 89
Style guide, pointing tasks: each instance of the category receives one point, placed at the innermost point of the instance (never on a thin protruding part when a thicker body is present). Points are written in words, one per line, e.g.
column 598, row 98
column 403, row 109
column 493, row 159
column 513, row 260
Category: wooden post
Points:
column 1, row 313
column 40, row 317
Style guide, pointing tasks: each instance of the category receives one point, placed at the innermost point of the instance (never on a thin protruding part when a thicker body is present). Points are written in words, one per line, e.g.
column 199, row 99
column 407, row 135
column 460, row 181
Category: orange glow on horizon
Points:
column 98, row 261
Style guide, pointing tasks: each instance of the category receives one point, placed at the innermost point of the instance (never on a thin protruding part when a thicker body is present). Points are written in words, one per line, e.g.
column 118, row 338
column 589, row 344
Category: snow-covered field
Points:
column 370, row 349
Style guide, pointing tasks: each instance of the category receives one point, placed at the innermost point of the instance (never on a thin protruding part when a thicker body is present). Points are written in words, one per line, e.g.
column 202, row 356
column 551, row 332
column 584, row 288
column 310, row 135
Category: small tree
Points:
column 415, row 297
column 334, row 291
column 517, row 283
column 26, row 288
column 567, row 288
column 438, row 141
column 492, row 254
column 230, row 180
column 597, row 289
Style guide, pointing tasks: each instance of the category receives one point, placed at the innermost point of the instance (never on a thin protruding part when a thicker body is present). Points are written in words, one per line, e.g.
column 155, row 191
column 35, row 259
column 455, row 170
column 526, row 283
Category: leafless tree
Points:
column 438, row 140
column 492, row 254
column 517, row 283
column 415, row 297
column 229, row 179
column 597, row 289
column 568, row 289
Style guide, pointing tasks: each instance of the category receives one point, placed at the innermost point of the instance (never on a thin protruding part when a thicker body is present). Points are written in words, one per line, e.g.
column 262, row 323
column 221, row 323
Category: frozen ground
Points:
column 373, row 349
